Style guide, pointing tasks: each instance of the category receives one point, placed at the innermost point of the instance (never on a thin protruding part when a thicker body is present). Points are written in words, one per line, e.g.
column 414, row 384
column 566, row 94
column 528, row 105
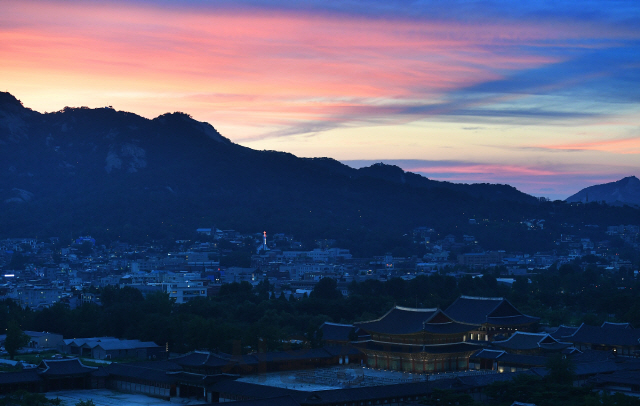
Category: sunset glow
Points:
column 545, row 98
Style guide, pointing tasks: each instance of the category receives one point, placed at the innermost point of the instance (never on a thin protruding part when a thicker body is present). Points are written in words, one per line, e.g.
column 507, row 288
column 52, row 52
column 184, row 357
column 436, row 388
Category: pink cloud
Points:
column 290, row 55
column 484, row 169
column 264, row 68
column 618, row 146
column 554, row 181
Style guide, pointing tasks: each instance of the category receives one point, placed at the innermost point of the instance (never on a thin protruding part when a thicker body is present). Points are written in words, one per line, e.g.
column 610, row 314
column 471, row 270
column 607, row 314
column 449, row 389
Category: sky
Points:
column 541, row 95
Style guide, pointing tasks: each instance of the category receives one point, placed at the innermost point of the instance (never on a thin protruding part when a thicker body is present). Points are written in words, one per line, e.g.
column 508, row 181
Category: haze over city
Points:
column 543, row 96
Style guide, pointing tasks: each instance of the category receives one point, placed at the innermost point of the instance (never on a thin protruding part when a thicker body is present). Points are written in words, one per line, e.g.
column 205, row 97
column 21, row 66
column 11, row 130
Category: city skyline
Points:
column 542, row 96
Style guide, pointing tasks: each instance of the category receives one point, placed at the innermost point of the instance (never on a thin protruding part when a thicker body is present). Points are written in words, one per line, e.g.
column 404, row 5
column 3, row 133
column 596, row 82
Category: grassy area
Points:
column 88, row 362
column 35, row 358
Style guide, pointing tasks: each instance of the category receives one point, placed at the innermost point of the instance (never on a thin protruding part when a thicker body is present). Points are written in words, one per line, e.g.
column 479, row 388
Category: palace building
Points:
column 416, row 340
column 494, row 316
column 431, row 340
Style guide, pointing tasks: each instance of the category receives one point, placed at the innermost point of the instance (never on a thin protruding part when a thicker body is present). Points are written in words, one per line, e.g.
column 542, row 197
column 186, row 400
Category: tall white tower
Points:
column 263, row 247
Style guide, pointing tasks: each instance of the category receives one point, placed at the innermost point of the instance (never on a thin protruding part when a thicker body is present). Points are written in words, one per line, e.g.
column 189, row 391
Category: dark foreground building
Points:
column 417, row 340
column 432, row 340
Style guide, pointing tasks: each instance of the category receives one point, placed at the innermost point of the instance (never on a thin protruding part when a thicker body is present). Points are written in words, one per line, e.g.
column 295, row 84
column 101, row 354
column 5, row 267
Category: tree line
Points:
column 243, row 318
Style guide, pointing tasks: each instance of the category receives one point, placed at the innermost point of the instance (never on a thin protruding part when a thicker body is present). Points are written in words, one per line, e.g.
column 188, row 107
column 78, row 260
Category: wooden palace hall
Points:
column 432, row 340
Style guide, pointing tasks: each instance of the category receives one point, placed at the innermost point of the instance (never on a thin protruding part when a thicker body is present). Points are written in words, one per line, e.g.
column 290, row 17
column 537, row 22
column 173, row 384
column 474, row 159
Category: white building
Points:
column 182, row 292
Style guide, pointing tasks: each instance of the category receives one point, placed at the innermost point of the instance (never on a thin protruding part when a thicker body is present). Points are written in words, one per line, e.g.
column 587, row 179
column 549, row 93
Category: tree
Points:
column 327, row 289
column 24, row 398
column 16, row 339
column 561, row 370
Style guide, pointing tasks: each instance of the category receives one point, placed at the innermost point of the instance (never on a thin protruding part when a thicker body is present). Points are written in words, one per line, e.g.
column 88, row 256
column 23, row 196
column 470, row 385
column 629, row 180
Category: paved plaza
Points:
column 106, row 397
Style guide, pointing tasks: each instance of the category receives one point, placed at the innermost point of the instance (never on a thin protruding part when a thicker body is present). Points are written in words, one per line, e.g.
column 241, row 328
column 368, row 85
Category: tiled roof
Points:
column 615, row 326
column 492, row 310
column 592, row 361
column 163, row 365
column 73, row 366
column 487, row 354
column 450, row 348
column 336, row 332
column 449, row 328
column 591, row 368
column 473, row 309
column 113, row 345
column 520, row 359
column 213, row 360
column 248, row 359
column 399, row 320
column 415, row 348
column 25, row 376
column 80, row 341
column 38, row 333
column 217, row 361
column 195, row 358
column 630, row 364
column 591, row 356
column 539, row 371
column 100, row 373
column 222, row 360
column 619, row 377
column 405, row 320
column 563, row 331
column 530, row 341
column 512, row 320
column 199, row 379
column 605, row 336
column 138, row 372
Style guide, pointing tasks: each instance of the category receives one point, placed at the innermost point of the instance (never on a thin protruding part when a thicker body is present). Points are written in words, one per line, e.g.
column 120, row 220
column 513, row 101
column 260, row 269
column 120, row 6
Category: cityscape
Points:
column 319, row 203
column 410, row 348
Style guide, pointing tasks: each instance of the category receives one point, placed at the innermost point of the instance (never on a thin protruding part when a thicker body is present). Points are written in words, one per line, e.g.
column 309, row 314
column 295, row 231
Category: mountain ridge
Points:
column 10, row 106
column 117, row 175
column 621, row 192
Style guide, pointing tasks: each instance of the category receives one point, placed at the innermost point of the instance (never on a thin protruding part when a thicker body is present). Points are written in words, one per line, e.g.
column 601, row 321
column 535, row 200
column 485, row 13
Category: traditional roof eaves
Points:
column 574, row 333
column 510, row 304
column 53, row 361
column 417, row 309
column 413, row 309
column 489, row 305
column 435, row 313
column 499, row 353
column 480, row 298
column 338, row 324
column 611, row 324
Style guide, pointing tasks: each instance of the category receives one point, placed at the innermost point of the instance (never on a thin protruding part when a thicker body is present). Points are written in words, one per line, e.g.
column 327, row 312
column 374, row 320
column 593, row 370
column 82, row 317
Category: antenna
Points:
column 263, row 247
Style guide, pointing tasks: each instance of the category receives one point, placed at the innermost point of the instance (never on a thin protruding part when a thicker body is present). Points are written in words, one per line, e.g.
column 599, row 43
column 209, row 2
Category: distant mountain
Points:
column 116, row 175
column 625, row 191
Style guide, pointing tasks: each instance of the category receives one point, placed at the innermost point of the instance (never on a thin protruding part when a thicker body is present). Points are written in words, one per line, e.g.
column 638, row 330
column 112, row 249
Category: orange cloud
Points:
column 619, row 146
column 259, row 69
column 293, row 57
column 484, row 169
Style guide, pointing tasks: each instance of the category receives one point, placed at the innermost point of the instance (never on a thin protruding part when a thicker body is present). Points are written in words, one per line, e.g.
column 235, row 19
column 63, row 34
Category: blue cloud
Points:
column 613, row 11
